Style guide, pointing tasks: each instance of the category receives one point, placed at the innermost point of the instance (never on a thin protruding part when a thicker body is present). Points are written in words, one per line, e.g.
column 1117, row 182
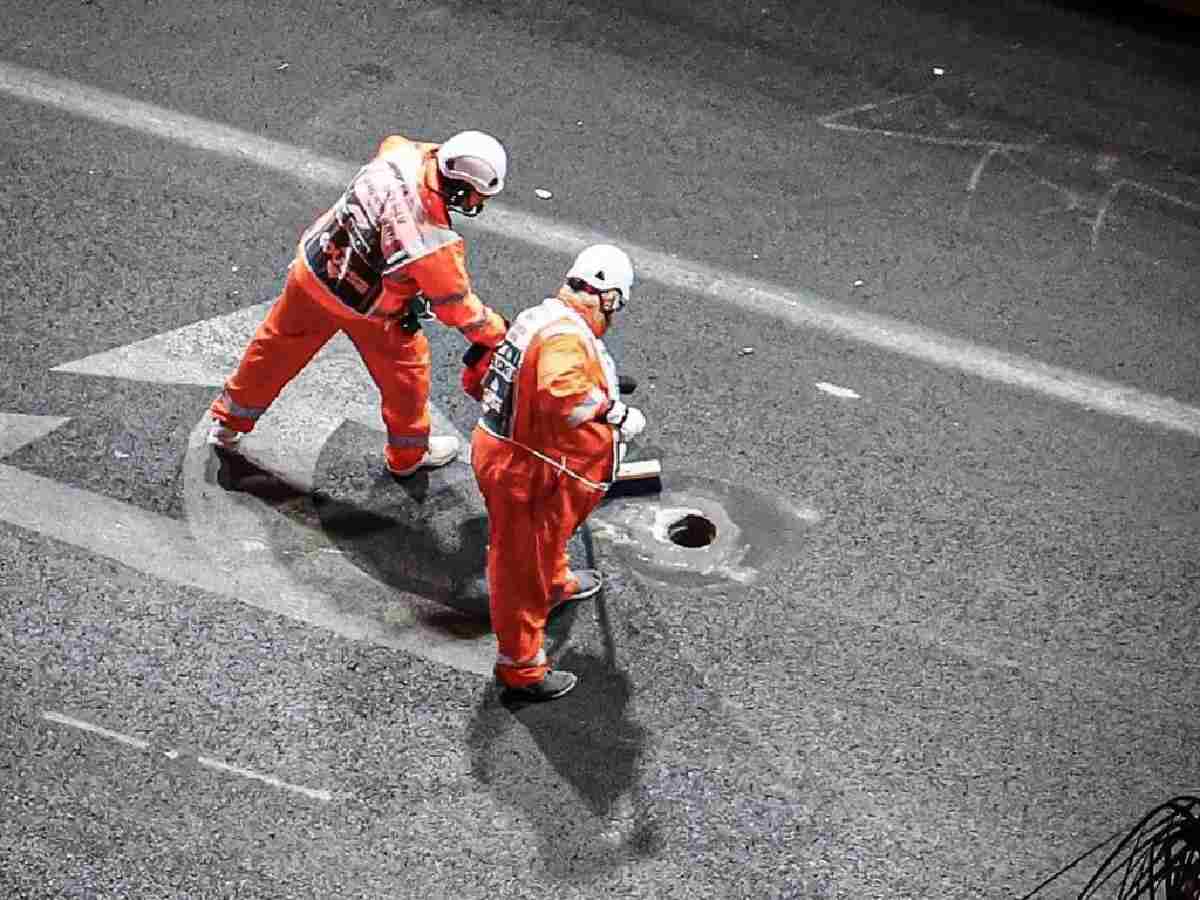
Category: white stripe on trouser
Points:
column 539, row 660
column 242, row 412
column 408, row 440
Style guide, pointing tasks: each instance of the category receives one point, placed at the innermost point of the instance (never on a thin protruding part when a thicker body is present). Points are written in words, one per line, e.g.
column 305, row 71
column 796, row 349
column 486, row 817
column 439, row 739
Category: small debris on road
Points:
column 543, row 193
column 281, row 67
column 745, row 351
column 938, row 70
column 837, row 391
column 858, row 282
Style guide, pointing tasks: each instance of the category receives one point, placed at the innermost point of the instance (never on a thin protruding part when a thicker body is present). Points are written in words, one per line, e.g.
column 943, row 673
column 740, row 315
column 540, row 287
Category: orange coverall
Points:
column 357, row 269
column 541, row 454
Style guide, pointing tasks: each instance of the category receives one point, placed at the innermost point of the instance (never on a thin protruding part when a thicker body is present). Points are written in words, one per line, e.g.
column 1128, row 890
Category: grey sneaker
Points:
column 443, row 449
column 553, row 685
column 590, row 582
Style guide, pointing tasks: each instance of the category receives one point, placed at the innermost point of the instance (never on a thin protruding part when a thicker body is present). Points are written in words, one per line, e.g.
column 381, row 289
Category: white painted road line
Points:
column 206, row 761
column 194, row 552
column 257, row 555
column 167, row 550
column 795, row 306
column 107, row 527
column 831, row 121
column 125, row 739
column 17, row 430
column 265, row 779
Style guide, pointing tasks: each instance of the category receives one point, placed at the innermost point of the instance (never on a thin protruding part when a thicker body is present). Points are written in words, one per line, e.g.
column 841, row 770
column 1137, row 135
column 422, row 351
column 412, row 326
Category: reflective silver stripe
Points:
column 408, row 440
column 395, row 261
column 432, row 239
column 242, row 412
column 408, row 227
column 539, row 660
column 587, row 408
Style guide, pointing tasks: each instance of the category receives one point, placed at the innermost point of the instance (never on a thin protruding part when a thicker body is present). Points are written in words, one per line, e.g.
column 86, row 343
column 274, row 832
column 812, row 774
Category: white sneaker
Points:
column 221, row 435
column 443, row 449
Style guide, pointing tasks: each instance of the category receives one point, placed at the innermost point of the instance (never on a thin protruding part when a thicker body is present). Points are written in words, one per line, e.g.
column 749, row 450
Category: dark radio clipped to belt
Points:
column 417, row 309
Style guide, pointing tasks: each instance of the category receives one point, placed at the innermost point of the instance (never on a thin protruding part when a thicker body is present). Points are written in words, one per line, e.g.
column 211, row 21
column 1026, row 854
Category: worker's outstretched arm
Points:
column 443, row 280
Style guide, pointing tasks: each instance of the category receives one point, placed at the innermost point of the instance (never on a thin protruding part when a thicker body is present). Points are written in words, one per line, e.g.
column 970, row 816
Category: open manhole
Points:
column 692, row 531
column 701, row 531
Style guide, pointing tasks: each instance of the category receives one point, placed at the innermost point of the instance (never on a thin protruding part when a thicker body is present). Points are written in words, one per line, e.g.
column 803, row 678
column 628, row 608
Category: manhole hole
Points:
column 692, row 531
column 689, row 536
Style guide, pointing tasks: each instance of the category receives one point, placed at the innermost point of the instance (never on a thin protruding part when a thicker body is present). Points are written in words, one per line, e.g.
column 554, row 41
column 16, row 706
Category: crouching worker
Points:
column 546, row 445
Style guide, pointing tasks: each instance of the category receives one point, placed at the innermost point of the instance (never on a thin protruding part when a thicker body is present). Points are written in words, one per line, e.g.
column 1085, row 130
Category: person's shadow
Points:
column 570, row 768
column 419, row 535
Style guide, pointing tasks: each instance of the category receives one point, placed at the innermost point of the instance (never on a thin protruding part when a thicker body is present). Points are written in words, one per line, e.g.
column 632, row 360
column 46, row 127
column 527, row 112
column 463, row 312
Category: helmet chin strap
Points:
column 469, row 211
column 456, row 194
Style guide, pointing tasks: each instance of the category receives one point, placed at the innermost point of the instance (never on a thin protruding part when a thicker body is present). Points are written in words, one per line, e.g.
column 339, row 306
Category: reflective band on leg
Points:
column 242, row 412
column 509, row 662
column 408, row 441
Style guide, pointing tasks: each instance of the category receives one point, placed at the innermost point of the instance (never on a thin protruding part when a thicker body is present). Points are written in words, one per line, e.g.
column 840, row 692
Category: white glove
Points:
column 628, row 419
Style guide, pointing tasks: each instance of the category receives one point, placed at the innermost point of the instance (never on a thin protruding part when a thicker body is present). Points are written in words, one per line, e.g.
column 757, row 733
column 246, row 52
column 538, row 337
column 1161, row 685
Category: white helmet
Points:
column 604, row 268
column 475, row 158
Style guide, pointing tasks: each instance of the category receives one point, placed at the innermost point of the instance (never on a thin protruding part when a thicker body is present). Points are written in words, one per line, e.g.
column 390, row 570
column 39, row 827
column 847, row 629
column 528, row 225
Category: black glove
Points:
column 474, row 354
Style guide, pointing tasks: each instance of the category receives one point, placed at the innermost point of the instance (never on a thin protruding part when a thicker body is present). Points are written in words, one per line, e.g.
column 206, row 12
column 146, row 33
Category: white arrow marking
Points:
column 99, row 524
column 215, row 551
column 205, row 352
column 17, row 430
column 205, row 556
column 154, row 544
column 796, row 306
column 237, row 546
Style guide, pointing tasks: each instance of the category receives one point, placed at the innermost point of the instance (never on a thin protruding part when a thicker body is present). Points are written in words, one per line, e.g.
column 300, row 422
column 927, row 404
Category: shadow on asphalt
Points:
column 380, row 528
column 570, row 769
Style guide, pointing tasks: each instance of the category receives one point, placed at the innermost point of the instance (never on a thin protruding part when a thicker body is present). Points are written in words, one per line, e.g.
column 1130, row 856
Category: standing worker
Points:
column 547, row 442
column 383, row 257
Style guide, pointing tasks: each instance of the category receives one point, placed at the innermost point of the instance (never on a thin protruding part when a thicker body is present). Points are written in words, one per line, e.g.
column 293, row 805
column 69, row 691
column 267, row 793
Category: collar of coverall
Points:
column 588, row 306
column 431, row 185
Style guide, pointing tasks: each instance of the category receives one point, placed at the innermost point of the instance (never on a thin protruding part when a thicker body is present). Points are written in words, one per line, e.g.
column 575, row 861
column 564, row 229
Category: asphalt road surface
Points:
column 915, row 329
